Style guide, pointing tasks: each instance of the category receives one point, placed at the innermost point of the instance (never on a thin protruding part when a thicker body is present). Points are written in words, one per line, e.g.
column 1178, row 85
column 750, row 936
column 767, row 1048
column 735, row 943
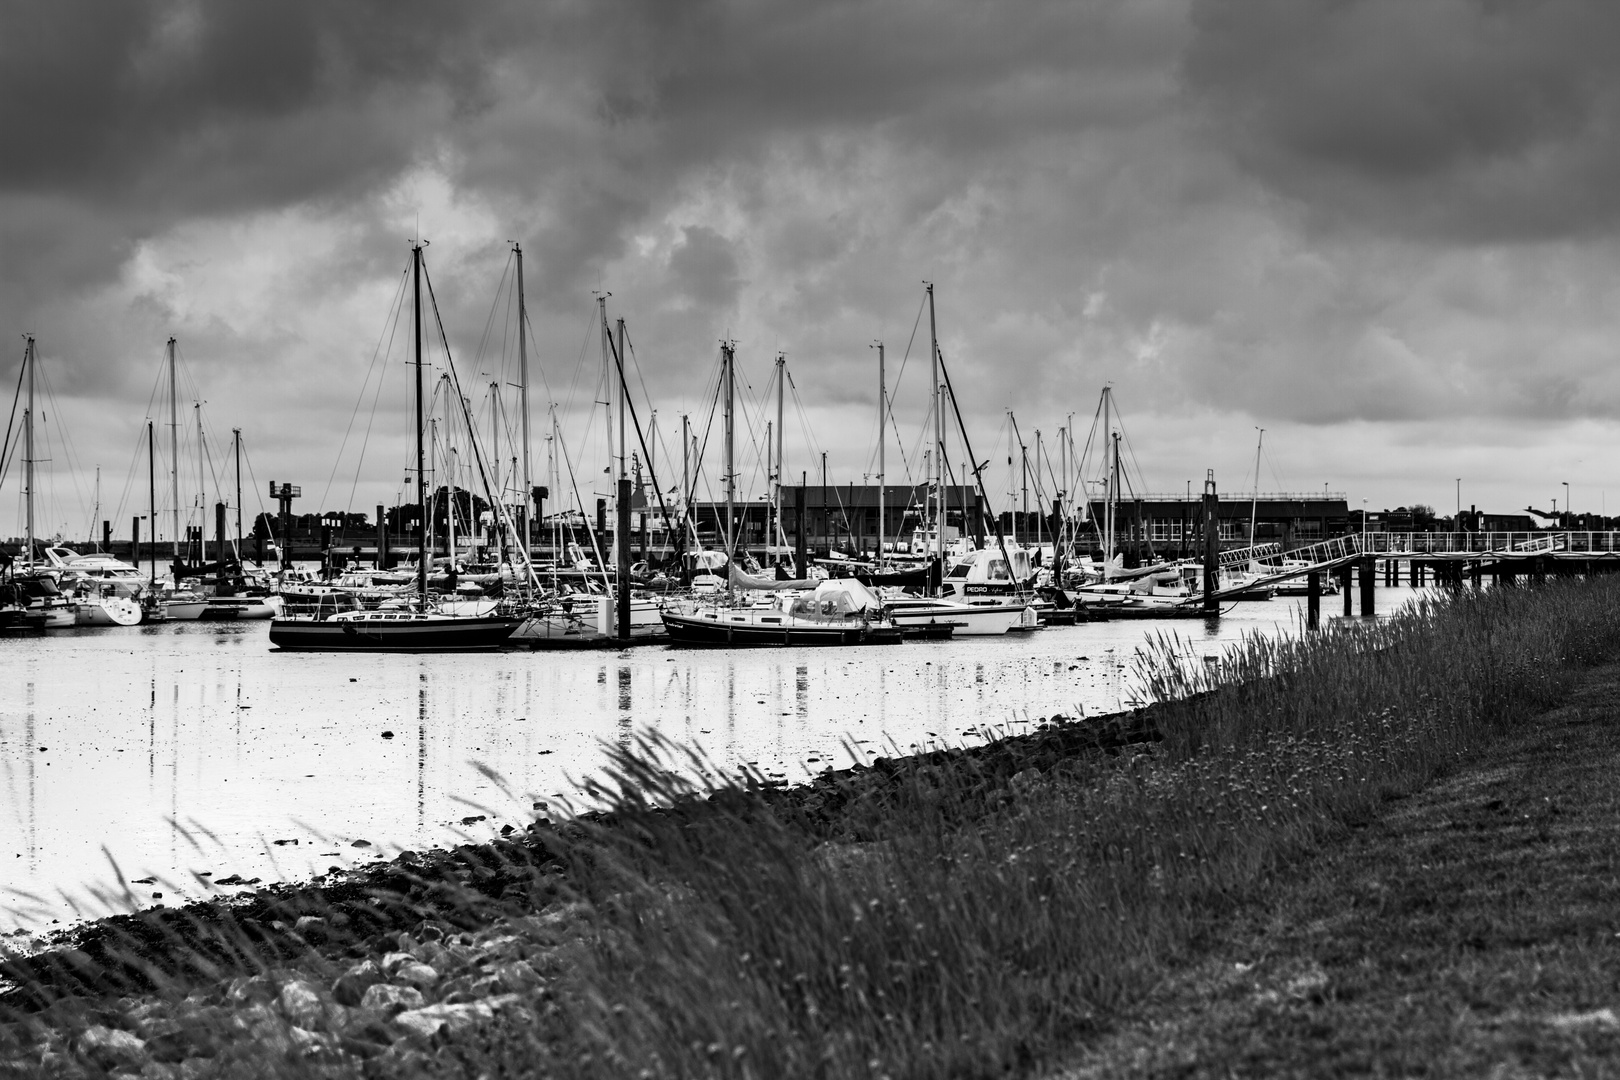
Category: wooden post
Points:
column 1368, row 569
column 1313, row 600
column 801, row 525
column 382, row 539
column 1212, row 544
column 622, row 536
column 1347, row 589
column 135, row 541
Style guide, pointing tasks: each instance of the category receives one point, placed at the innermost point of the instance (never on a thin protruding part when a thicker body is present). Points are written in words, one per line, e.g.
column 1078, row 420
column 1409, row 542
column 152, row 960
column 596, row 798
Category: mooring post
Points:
column 1347, row 589
column 622, row 542
column 798, row 533
column 1369, row 567
column 1313, row 600
column 1212, row 544
column 135, row 541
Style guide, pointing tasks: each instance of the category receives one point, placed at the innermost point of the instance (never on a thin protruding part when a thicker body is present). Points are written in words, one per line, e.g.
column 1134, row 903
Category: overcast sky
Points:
column 1384, row 231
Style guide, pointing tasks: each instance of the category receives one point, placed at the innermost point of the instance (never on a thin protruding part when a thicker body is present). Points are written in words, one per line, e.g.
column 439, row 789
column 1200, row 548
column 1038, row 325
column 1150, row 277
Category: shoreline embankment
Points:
column 960, row 911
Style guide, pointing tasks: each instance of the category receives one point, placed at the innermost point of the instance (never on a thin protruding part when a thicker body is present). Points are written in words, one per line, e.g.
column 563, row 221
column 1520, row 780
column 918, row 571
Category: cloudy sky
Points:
column 1383, row 231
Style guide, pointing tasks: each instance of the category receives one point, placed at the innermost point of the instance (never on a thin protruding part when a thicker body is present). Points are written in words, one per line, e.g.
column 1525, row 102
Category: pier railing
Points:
column 1488, row 543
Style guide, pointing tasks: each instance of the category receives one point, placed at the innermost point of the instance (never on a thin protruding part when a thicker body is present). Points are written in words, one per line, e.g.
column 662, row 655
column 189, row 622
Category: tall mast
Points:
column 1110, row 463
column 523, row 404
column 728, row 362
column 686, row 464
column 174, row 450
column 607, row 377
column 450, row 503
column 776, row 487
column 237, row 439
column 623, row 396
column 28, row 450
column 202, row 492
column 1254, row 502
column 939, row 440
column 421, row 457
column 151, row 495
column 882, row 401
column 495, row 460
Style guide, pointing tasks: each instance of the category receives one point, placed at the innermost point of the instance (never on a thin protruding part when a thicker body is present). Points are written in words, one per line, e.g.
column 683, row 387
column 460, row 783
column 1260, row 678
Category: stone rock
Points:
column 352, row 985
column 517, row 976
column 110, row 1048
column 253, row 988
column 421, row 976
column 389, row 1000
column 302, row 1005
column 392, row 961
column 431, row 1020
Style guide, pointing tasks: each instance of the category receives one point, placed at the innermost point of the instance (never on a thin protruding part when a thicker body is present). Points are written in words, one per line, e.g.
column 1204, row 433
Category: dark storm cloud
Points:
column 1465, row 119
column 214, row 106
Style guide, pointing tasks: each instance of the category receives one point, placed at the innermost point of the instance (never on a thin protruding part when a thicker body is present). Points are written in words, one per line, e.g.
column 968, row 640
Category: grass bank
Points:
column 958, row 913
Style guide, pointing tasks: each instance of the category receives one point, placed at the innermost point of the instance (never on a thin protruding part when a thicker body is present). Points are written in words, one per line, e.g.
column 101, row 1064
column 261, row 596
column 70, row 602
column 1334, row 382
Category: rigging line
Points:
column 6, row 448
column 392, row 320
column 69, row 455
column 472, row 439
column 573, row 482
column 636, row 420
column 978, row 477
column 901, row 373
column 703, row 448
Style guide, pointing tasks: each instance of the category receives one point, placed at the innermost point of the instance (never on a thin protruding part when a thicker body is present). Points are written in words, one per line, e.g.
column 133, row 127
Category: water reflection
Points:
column 250, row 743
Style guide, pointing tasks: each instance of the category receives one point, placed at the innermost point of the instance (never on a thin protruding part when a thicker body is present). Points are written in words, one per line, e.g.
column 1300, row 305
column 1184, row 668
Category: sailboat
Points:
column 982, row 593
column 58, row 594
column 838, row 611
column 334, row 622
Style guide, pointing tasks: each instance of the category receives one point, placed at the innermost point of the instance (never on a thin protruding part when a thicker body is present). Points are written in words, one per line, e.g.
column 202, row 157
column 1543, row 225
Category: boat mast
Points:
column 728, row 362
column 237, row 439
column 495, row 459
column 450, row 503
column 174, row 450
column 776, row 491
column 421, row 462
column 151, row 495
column 1111, row 475
column 621, row 521
column 523, row 405
column 1254, row 502
column 202, row 492
column 939, row 440
column 882, row 400
column 28, row 450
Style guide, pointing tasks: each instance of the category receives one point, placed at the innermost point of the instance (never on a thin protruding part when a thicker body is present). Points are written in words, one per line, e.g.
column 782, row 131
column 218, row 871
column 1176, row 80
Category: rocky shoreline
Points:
column 388, row 965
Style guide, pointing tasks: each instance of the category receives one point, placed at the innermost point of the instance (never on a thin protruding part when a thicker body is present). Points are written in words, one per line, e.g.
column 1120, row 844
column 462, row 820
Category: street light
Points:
column 1364, row 517
column 1569, row 518
column 1458, row 519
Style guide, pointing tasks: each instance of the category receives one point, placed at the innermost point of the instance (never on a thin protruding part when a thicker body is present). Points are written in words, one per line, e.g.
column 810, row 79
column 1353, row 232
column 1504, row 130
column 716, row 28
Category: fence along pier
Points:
column 1451, row 558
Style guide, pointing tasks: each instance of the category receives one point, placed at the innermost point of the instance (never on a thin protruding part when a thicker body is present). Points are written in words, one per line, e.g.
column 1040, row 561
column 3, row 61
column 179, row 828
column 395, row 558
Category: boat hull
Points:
column 969, row 620
column 719, row 631
column 366, row 635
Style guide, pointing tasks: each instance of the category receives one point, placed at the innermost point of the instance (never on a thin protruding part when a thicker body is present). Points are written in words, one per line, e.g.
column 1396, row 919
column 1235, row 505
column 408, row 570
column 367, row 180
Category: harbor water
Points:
column 163, row 758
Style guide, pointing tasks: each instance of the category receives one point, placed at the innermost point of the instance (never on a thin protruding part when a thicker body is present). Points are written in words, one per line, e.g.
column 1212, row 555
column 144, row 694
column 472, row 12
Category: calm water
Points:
column 187, row 748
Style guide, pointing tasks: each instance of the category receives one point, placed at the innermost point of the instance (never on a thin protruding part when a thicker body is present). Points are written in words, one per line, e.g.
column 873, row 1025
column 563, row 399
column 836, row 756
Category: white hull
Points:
column 109, row 611
column 969, row 620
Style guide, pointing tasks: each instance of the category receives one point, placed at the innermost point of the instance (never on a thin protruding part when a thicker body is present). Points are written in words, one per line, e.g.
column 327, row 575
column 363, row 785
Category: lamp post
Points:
column 1568, row 517
column 1363, row 517
column 1458, row 519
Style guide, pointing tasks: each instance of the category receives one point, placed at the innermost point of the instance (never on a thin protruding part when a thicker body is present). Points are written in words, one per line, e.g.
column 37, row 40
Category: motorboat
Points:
column 980, row 617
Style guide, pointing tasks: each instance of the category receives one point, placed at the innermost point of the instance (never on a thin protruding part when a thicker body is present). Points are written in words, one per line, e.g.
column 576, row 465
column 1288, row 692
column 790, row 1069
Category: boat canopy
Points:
column 838, row 598
column 766, row 584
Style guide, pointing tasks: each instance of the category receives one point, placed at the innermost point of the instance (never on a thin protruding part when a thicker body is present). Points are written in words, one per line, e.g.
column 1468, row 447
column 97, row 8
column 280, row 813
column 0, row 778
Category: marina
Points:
column 211, row 753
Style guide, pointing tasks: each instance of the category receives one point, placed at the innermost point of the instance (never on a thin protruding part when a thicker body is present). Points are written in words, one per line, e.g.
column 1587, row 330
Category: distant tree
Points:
column 1423, row 517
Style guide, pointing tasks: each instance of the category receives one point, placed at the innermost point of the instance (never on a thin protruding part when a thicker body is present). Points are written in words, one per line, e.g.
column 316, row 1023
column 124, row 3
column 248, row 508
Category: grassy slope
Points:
column 1471, row 929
